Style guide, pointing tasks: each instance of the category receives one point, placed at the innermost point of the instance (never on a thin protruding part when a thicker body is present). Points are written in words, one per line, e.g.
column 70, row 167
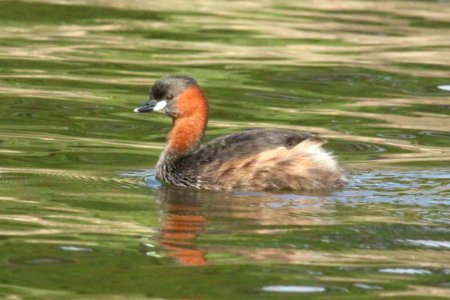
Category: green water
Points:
column 81, row 216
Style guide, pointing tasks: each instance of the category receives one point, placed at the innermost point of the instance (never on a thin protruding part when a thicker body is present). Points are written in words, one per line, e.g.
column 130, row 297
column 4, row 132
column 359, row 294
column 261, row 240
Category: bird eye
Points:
column 169, row 97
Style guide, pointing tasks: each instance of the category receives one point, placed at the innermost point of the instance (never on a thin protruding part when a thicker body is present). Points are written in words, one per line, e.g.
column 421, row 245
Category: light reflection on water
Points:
column 293, row 289
column 79, row 204
column 444, row 87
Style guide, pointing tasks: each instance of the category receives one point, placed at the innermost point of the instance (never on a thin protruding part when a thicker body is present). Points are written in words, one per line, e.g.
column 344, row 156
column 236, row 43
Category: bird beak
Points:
column 151, row 105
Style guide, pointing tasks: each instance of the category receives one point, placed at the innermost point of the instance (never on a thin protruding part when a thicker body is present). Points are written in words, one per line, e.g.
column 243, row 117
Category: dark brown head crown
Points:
column 170, row 85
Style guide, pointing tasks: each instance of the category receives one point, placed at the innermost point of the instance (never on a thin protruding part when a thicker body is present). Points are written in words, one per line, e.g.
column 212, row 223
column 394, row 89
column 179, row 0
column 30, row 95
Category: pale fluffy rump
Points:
column 304, row 167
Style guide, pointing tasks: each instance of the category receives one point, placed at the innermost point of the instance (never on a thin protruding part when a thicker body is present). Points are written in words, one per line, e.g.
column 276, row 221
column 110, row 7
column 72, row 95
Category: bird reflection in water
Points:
column 188, row 212
column 184, row 221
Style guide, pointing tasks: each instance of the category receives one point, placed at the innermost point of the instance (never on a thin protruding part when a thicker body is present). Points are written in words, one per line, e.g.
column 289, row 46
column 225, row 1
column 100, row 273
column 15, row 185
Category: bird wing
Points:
column 244, row 143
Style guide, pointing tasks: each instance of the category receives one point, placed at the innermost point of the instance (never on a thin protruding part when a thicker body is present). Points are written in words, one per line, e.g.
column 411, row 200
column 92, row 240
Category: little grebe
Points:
column 254, row 159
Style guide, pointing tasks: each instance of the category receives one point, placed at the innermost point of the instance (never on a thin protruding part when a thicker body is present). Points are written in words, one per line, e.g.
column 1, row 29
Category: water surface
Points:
column 82, row 217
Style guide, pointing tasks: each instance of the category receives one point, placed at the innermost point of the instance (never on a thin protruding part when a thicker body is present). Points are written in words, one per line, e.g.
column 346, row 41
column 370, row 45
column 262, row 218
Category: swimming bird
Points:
column 253, row 159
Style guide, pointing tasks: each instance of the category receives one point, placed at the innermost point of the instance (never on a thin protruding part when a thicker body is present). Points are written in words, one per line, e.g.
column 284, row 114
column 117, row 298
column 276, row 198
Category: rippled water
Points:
column 83, row 217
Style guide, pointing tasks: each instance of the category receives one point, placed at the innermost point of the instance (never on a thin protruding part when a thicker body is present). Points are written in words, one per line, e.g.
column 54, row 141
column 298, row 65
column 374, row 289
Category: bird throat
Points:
column 186, row 134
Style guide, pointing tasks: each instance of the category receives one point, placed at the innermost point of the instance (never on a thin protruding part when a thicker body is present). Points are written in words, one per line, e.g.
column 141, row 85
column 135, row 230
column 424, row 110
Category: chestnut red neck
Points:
column 190, row 122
